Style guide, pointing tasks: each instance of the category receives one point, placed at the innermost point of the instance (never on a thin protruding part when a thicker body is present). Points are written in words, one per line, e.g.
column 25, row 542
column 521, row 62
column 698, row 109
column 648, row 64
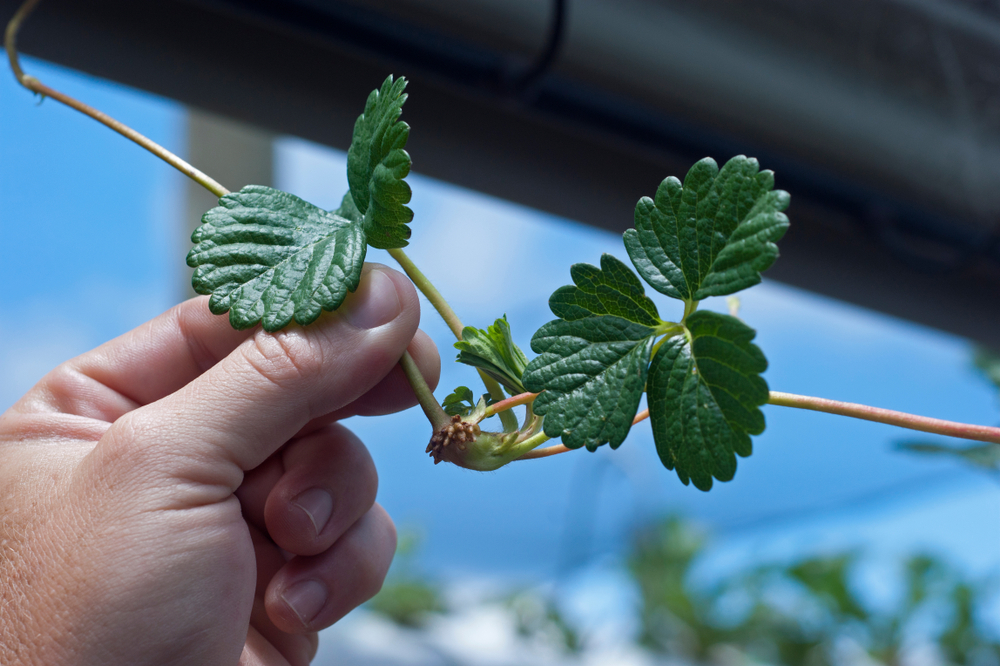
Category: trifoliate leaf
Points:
column 612, row 289
column 713, row 235
column 493, row 351
column 704, row 394
column 592, row 372
column 377, row 165
column 268, row 256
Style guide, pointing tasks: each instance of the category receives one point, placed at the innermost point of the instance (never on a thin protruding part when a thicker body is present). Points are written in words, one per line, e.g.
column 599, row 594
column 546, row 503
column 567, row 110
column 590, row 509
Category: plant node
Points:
column 458, row 433
column 466, row 445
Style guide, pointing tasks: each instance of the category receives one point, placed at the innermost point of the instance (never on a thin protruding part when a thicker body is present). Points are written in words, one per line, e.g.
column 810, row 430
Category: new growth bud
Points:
column 464, row 444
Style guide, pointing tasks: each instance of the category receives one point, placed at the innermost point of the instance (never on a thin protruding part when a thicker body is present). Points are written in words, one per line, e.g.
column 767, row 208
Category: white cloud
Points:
column 47, row 333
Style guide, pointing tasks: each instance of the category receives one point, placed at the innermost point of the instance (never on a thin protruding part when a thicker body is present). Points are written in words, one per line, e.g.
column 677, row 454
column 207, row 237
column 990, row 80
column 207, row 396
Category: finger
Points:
column 257, row 651
column 235, row 415
column 141, row 366
column 329, row 482
column 268, row 558
column 257, row 485
column 393, row 393
column 311, row 593
column 298, row 649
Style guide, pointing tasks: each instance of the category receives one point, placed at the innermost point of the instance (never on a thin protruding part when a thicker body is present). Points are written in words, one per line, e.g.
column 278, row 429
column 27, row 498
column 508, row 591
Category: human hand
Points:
column 153, row 490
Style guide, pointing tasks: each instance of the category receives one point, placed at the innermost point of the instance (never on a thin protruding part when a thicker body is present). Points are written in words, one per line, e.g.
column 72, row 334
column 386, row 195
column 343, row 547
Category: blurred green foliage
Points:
column 988, row 363
column 408, row 598
column 539, row 617
column 803, row 613
column 984, row 456
column 407, row 602
column 810, row 612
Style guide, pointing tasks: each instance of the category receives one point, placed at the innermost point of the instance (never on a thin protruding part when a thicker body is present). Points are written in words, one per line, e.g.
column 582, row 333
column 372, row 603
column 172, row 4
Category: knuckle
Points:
column 64, row 385
column 62, row 381
column 285, row 358
column 126, row 446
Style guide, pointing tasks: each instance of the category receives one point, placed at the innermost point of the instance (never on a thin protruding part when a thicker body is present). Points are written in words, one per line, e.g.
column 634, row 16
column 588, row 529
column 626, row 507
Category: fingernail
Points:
column 306, row 599
column 374, row 303
column 317, row 504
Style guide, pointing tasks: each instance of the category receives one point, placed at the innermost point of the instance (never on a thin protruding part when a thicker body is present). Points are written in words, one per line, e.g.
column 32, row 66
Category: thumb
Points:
column 235, row 415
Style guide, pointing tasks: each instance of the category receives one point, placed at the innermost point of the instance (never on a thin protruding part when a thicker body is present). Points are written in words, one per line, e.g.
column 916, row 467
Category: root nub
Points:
column 458, row 432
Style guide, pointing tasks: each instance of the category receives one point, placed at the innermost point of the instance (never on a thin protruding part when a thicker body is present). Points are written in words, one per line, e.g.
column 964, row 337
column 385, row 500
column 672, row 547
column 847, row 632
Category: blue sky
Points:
column 89, row 223
column 94, row 245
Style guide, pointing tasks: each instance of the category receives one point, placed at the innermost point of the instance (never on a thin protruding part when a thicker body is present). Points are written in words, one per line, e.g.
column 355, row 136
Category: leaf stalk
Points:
column 509, row 403
column 425, row 396
column 887, row 416
column 562, row 448
column 36, row 86
column 546, row 452
column 667, row 332
column 530, row 445
column 689, row 308
column 427, row 288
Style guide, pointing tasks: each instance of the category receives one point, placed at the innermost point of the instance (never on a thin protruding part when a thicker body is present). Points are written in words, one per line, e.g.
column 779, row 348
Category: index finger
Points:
column 144, row 365
column 233, row 416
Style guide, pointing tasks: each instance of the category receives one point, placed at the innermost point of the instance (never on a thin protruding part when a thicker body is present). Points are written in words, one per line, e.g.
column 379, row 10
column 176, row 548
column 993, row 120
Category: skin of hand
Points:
column 184, row 495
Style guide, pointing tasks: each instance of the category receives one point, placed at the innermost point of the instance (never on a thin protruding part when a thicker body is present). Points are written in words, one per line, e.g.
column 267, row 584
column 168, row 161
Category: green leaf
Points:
column 612, row 289
column 377, row 165
column 267, row 256
column 592, row 372
column 461, row 401
column 493, row 351
column 704, row 395
column 348, row 210
column 713, row 235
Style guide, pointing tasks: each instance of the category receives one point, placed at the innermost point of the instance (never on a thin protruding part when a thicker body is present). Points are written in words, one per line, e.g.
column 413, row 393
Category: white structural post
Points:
column 233, row 153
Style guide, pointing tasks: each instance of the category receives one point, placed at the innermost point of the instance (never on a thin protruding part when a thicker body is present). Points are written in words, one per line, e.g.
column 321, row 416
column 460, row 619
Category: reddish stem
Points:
column 546, row 452
column 508, row 403
column 902, row 419
column 560, row 448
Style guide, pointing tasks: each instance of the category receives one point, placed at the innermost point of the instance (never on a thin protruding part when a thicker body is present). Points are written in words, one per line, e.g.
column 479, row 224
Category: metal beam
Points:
column 582, row 150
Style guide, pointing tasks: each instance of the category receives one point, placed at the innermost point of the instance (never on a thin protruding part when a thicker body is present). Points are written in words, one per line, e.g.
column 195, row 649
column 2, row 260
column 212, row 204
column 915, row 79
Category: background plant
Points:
column 811, row 611
column 985, row 457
